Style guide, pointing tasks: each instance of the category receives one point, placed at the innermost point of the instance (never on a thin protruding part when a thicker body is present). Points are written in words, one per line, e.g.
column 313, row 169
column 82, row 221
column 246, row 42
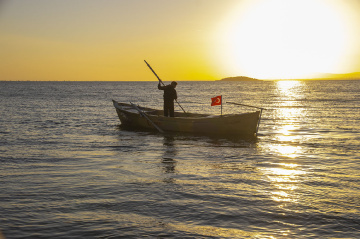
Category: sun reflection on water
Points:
column 288, row 87
column 290, row 115
column 287, row 150
column 284, row 175
column 285, row 178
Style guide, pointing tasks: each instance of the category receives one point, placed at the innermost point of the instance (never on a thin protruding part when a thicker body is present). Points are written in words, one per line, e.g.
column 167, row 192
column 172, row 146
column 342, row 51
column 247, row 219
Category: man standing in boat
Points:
column 169, row 97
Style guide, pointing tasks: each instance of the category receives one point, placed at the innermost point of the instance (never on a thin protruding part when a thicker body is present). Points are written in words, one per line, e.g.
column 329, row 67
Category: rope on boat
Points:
column 246, row 105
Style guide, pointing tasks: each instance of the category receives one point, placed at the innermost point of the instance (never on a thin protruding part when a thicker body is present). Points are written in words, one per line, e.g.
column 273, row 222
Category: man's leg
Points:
column 166, row 108
column 171, row 108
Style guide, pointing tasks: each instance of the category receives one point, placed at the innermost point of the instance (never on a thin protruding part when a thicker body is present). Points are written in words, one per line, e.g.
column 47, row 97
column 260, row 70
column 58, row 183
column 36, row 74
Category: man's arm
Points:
column 161, row 87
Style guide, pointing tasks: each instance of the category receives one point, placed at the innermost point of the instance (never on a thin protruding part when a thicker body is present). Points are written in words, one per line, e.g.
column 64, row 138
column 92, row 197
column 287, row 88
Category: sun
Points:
column 284, row 39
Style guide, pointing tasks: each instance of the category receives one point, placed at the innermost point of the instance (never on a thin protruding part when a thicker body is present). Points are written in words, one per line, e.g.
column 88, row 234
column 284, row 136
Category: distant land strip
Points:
column 349, row 76
column 239, row 78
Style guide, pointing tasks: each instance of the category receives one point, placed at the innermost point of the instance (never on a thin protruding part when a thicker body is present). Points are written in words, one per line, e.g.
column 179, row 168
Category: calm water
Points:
column 69, row 171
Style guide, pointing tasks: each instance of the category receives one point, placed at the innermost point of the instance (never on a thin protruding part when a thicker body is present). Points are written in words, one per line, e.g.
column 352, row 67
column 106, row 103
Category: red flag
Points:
column 216, row 100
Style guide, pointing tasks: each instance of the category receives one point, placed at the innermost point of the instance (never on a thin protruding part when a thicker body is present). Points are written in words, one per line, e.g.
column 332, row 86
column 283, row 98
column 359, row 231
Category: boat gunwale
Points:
column 159, row 114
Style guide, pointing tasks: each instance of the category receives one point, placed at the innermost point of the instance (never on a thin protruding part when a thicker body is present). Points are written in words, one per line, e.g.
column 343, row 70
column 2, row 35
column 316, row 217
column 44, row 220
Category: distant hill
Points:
column 239, row 78
column 329, row 76
column 320, row 76
column 346, row 76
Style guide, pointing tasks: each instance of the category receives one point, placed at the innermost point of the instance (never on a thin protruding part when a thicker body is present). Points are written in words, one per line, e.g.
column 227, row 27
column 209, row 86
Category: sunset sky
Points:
column 181, row 39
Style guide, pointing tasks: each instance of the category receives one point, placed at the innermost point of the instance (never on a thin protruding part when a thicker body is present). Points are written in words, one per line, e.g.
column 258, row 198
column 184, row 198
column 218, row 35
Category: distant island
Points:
column 345, row 76
column 323, row 76
column 239, row 78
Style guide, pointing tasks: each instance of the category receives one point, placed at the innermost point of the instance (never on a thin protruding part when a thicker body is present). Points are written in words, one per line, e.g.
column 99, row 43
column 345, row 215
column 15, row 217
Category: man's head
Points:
column 174, row 83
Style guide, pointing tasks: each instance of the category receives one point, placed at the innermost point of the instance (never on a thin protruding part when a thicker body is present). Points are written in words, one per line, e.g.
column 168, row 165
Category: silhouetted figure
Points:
column 169, row 97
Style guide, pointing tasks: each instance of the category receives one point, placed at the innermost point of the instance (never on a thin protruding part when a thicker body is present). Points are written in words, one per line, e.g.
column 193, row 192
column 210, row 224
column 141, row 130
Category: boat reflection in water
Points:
column 168, row 158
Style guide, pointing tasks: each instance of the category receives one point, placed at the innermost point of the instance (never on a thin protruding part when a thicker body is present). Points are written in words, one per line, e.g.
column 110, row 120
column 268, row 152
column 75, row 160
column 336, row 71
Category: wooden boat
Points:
column 245, row 124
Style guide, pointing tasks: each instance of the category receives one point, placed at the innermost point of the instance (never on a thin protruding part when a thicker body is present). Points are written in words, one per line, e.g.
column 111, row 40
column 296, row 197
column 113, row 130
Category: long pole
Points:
column 155, row 73
column 244, row 105
column 221, row 105
column 163, row 83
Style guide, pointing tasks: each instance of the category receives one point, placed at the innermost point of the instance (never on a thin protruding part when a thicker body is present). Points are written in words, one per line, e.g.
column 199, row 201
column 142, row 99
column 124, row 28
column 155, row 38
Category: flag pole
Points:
column 221, row 104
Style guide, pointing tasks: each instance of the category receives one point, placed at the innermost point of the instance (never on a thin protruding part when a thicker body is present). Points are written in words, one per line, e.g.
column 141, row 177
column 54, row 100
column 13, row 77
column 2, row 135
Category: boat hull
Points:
column 226, row 125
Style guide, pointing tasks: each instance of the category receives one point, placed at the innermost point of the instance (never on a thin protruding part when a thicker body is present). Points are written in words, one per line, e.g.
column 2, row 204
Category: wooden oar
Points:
column 162, row 83
column 146, row 117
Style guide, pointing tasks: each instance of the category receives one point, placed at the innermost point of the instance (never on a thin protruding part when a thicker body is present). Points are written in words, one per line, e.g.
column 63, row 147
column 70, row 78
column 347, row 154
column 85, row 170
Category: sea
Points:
column 70, row 170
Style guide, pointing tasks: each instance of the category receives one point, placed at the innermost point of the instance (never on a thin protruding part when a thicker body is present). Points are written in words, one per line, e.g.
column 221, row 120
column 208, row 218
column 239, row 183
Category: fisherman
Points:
column 169, row 97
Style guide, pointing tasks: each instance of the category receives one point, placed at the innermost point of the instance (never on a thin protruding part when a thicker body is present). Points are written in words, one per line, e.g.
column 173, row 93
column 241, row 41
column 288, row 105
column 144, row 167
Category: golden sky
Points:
column 181, row 39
